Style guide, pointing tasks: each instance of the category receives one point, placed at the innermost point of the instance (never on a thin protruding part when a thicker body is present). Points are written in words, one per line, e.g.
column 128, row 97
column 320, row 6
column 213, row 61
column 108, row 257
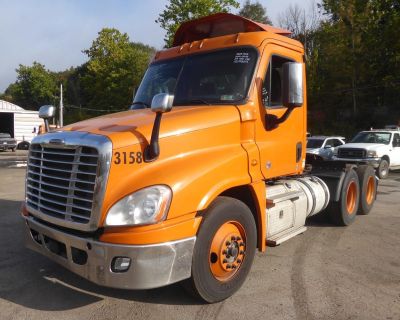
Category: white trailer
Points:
column 21, row 124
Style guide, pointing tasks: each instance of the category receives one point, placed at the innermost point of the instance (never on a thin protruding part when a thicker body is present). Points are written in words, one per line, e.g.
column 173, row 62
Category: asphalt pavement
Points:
column 326, row 273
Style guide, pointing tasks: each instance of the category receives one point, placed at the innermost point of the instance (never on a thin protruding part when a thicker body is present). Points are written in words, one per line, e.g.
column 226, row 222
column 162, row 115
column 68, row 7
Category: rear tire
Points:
column 224, row 250
column 383, row 169
column 344, row 211
column 368, row 187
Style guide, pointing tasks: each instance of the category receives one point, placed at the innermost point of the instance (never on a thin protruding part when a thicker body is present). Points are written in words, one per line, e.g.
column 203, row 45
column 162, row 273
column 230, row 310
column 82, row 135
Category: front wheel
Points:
column 224, row 250
column 383, row 169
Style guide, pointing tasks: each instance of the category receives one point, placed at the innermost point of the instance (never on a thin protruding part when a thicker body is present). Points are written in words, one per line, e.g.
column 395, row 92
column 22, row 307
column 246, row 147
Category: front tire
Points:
column 224, row 250
column 383, row 169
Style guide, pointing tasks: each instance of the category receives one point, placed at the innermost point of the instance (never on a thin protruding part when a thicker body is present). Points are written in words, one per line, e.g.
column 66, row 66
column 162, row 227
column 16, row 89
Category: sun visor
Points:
column 220, row 24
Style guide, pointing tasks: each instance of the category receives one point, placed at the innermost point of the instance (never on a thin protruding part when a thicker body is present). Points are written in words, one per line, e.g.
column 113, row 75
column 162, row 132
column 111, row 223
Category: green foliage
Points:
column 179, row 11
column 254, row 11
column 354, row 77
column 115, row 67
column 34, row 87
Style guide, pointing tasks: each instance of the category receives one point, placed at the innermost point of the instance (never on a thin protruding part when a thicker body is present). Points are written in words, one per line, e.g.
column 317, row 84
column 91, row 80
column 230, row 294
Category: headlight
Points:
column 147, row 206
column 371, row 154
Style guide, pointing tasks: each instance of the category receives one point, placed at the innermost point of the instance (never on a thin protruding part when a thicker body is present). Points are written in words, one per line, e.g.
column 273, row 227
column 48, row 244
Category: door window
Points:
column 396, row 140
column 272, row 86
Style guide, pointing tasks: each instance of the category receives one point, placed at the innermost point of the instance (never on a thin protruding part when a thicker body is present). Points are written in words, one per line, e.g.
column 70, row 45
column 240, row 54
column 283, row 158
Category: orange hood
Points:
column 134, row 126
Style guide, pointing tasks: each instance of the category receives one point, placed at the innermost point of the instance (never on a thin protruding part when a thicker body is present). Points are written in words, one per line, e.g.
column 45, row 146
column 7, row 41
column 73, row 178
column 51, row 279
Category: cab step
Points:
column 281, row 237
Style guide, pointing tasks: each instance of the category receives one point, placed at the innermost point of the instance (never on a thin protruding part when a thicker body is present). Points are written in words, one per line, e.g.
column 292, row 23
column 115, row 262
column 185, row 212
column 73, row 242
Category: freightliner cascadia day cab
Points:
column 207, row 167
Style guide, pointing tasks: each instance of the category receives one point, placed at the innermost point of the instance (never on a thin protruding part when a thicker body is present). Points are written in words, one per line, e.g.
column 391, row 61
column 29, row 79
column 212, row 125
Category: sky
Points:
column 54, row 32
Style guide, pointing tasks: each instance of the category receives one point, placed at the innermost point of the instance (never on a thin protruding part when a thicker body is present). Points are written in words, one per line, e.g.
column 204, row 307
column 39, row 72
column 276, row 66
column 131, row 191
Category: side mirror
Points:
column 292, row 84
column 328, row 146
column 47, row 112
column 162, row 102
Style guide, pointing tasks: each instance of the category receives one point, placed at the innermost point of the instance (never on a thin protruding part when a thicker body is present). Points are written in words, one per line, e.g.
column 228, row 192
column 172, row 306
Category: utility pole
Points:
column 61, row 106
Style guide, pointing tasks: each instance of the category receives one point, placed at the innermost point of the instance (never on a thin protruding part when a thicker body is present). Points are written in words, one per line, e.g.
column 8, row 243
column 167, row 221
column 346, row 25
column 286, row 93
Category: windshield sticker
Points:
column 241, row 57
column 227, row 97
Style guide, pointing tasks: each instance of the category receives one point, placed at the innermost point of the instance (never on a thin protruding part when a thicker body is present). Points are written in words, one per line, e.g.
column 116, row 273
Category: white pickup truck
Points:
column 380, row 148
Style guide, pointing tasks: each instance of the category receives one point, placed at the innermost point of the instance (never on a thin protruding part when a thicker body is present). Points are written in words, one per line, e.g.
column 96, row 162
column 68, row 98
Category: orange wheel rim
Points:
column 370, row 194
column 227, row 250
column 351, row 197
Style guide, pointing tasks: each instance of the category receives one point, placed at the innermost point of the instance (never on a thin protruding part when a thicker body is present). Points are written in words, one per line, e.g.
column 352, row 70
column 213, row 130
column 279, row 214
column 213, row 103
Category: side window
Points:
column 396, row 140
column 272, row 87
column 329, row 142
column 337, row 143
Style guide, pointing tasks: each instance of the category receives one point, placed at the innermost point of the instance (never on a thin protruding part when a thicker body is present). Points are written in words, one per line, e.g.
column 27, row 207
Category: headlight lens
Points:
column 147, row 206
column 371, row 154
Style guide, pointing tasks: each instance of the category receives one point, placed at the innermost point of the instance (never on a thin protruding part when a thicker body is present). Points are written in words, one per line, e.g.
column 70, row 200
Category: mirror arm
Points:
column 152, row 150
column 273, row 121
column 46, row 125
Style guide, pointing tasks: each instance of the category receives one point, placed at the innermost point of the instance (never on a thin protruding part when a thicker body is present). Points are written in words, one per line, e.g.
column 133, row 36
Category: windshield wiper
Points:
column 202, row 101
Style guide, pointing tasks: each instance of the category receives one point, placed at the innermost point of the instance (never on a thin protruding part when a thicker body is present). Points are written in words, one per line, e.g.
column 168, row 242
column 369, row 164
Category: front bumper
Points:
column 371, row 161
column 7, row 146
column 151, row 266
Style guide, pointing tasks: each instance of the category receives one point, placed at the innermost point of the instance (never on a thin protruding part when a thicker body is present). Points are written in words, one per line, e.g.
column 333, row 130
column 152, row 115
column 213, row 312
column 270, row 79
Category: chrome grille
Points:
column 61, row 182
column 351, row 153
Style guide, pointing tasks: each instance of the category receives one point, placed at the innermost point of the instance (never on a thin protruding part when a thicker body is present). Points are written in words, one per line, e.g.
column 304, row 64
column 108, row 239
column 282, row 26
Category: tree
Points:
column 254, row 11
column 115, row 67
column 35, row 86
column 179, row 11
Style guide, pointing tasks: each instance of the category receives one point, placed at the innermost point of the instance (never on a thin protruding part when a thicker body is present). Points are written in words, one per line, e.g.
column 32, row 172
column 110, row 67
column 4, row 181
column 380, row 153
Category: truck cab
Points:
column 208, row 166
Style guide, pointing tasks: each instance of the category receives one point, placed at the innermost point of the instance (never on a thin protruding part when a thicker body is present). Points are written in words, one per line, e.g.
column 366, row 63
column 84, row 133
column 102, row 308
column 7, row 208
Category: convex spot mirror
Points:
column 292, row 84
column 162, row 102
column 47, row 112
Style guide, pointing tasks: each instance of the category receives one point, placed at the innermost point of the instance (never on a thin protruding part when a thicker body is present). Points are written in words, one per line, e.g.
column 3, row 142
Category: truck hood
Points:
column 364, row 146
column 135, row 126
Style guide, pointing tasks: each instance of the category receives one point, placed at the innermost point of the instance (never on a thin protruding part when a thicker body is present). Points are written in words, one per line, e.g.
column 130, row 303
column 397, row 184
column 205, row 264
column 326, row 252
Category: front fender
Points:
column 198, row 166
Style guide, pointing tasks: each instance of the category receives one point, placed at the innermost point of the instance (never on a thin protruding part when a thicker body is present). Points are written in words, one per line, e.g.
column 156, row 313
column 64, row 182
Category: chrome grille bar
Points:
column 65, row 182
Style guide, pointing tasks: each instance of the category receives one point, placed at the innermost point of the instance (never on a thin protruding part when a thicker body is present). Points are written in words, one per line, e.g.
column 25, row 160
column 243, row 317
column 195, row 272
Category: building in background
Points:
column 21, row 124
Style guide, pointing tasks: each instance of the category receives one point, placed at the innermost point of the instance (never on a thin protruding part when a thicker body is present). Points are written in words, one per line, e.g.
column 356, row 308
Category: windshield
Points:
column 372, row 137
column 314, row 143
column 219, row 77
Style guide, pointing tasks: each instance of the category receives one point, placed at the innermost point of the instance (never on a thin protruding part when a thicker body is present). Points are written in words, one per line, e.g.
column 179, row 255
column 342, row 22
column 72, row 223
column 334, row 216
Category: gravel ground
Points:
column 327, row 273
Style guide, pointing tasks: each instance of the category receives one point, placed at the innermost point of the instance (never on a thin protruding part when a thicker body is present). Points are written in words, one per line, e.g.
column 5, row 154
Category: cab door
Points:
column 282, row 146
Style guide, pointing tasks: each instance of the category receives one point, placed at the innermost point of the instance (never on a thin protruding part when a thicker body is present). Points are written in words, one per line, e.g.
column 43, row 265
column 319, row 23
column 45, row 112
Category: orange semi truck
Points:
column 207, row 167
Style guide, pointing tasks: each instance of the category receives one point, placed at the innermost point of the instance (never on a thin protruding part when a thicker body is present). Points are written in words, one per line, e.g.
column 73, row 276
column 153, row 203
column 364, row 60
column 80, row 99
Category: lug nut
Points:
column 234, row 267
column 228, row 243
column 238, row 238
column 223, row 251
column 224, row 261
column 233, row 238
column 241, row 244
column 241, row 252
column 228, row 266
column 239, row 260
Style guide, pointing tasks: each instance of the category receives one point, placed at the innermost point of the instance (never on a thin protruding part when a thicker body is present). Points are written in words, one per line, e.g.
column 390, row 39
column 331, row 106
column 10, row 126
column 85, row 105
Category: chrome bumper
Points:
column 151, row 266
column 371, row 161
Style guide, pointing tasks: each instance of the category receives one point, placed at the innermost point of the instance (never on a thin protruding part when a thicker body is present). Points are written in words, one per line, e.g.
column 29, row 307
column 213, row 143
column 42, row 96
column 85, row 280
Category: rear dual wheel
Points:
column 224, row 250
column 344, row 211
column 368, row 188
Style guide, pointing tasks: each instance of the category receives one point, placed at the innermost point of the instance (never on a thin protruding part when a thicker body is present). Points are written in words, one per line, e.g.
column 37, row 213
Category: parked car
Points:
column 380, row 148
column 323, row 146
column 6, row 142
